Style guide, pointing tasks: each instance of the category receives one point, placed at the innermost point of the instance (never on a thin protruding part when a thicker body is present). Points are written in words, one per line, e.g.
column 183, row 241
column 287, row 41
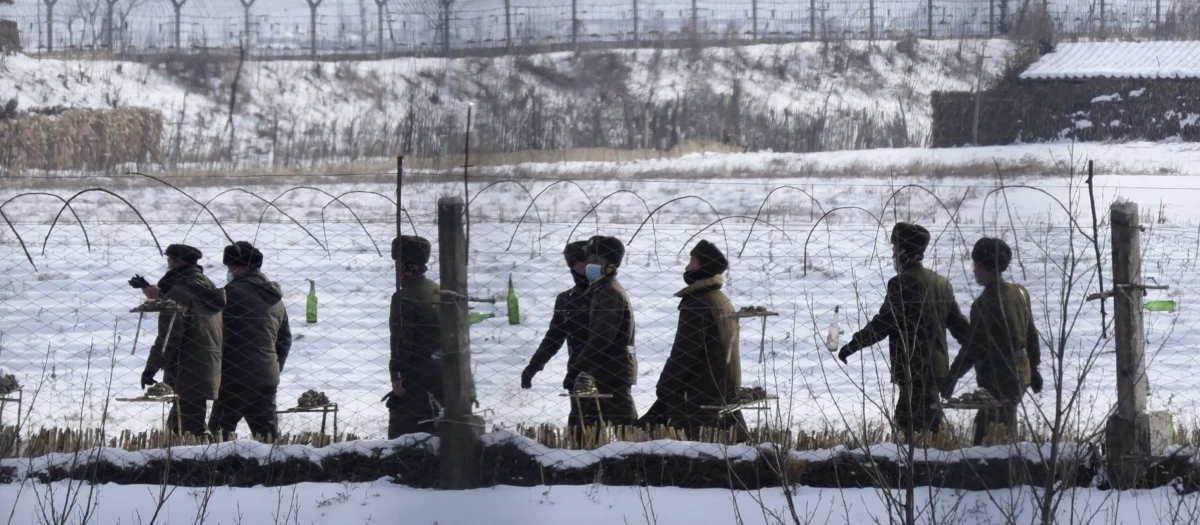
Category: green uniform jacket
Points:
column 917, row 311
column 1002, row 333
column 191, row 357
column 257, row 335
column 606, row 355
column 704, row 368
column 416, row 335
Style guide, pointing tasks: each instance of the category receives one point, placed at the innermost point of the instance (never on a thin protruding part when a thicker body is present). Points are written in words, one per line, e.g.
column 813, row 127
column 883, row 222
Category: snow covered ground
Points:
column 67, row 334
column 384, row 502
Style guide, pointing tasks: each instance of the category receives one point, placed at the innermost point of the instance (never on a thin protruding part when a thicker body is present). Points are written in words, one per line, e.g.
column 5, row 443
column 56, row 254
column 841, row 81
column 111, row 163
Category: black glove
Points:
column 947, row 387
column 139, row 282
column 569, row 382
column 845, row 352
column 527, row 377
column 148, row 377
column 1035, row 382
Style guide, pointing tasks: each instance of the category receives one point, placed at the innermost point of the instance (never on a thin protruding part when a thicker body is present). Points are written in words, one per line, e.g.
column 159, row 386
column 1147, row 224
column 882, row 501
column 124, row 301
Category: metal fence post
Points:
column 635, row 22
column 929, row 8
column 871, row 21
column 459, row 432
column 754, row 19
column 574, row 22
column 812, row 19
column 508, row 40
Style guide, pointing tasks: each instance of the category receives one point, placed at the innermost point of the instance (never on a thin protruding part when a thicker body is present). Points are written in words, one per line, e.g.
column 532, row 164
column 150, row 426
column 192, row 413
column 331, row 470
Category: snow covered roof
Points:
column 1118, row 60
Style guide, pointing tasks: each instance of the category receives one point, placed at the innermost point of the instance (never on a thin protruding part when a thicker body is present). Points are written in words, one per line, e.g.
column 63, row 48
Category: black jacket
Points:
column 257, row 335
column 568, row 325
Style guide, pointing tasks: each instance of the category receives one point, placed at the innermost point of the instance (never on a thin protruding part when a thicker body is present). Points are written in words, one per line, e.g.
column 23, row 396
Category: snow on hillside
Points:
column 846, row 87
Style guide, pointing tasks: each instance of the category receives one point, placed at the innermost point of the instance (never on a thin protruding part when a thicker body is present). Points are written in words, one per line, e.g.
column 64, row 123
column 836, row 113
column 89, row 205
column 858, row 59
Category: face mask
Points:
column 229, row 275
column 594, row 272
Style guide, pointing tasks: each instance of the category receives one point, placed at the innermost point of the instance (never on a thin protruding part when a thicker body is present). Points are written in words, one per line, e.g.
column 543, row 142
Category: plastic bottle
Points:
column 835, row 331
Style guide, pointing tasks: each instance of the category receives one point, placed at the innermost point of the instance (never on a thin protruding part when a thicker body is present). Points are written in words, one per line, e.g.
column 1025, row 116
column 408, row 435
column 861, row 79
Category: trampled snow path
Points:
column 384, row 502
column 66, row 333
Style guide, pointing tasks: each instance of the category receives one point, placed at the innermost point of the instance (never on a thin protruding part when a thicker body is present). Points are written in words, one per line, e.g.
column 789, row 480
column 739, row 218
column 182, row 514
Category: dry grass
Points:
column 80, row 139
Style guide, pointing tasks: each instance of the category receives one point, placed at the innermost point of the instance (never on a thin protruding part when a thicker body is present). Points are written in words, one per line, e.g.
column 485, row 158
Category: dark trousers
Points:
column 616, row 410
column 190, row 414
column 255, row 404
column 406, row 413
column 918, row 409
column 1004, row 415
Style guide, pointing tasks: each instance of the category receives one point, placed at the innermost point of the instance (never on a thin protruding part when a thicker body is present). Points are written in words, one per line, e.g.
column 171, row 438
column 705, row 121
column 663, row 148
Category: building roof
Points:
column 1118, row 60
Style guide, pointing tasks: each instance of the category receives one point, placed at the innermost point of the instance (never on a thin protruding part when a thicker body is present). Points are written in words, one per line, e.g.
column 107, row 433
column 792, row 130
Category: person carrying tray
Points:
column 1003, row 345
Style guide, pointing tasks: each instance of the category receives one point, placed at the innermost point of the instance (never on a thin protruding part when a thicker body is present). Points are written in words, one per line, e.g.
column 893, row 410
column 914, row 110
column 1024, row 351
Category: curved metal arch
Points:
column 497, row 183
column 257, row 196
column 822, row 218
column 86, row 240
column 78, row 194
column 534, row 200
column 1006, row 187
column 327, row 194
column 19, row 239
column 189, row 196
column 609, row 196
column 724, row 233
column 723, row 219
column 764, row 204
column 411, row 224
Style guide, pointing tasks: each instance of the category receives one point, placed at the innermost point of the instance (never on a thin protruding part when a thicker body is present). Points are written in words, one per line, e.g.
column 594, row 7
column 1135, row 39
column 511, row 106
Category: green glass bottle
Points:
column 479, row 317
column 1160, row 306
column 310, row 311
column 514, row 309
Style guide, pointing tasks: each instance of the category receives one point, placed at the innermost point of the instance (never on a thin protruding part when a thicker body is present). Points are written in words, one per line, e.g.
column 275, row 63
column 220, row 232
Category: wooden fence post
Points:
column 458, row 430
column 1132, row 435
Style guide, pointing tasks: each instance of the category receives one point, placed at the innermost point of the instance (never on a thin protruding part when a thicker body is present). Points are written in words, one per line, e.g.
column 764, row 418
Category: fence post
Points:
column 812, row 19
column 929, row 8
column 1103, row 20
column 1158, row 17
column 312, row 27
column 178, row 5
column 458, row 430
column 754, row 19
column 991, row 17
column 379, row 5
column 50, row 25
column 246, row 4
column 575, row 22
column 508, row 46
column 695, row 25
column 635, row 22
column 1132, row 436
column 871, row 21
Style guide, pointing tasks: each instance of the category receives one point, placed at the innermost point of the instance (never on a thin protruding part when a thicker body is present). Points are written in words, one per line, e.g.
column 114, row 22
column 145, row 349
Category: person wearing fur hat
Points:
column 917, row 310
column 191, row 356
column 415, row 338
column 257, row 339
column 568, row 325
column 704, row 368
column 1004, row 347
column 608, row 354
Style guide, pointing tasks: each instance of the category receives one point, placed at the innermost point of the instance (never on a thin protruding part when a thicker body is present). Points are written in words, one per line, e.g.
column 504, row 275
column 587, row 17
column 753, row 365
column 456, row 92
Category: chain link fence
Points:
column 804, row 249
column 341, row 30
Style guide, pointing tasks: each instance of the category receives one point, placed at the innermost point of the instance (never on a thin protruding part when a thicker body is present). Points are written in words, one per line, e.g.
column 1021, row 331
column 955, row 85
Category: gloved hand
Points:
column 1035, row 382
column 527, row 377
column 398, row 388
column 148, row 377
column 139, row 282
column 845, row 352
column 569, row 382
column 947, row 387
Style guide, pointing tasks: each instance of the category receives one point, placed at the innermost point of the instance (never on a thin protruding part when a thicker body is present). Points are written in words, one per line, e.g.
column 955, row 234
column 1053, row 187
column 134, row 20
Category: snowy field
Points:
column 67, row 334
column 383, row 502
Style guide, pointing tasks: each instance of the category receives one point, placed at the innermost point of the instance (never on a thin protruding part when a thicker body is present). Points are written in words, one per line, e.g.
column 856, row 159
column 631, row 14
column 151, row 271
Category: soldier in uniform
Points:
column 568, row 325
column 415, row 337
column 608, row 355
column 704, row 368
column 191, row 356
column 916, row 312
column 257, row 341
column 1003, row 347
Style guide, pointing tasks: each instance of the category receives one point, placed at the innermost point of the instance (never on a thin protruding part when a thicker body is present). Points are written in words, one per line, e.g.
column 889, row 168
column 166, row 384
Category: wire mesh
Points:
column 804, row 249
